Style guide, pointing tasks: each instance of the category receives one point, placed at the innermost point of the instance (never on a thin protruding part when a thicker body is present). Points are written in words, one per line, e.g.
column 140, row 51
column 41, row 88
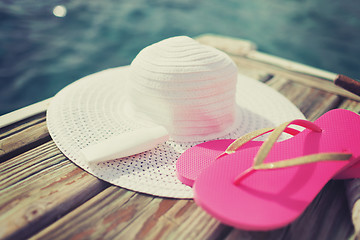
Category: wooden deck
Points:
column 46, row 196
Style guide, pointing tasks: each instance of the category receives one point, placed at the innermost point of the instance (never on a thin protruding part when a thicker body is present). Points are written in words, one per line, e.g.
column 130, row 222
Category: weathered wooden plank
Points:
column 135, row 216
column 145, row 224
column 23, row 140
column 194, row 223
column 321, row 84
column 312, row 102
column 103, row 216
column 22, row 124
column 171, row 219
column 38, row 195
column 16, row 170
column 23, row 113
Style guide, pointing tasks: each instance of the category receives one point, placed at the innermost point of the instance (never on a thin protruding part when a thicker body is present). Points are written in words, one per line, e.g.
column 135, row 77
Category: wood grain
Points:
column 102, row 216
column 20, row 169
column 23, row 138
column 47, row 187
column 22, row 124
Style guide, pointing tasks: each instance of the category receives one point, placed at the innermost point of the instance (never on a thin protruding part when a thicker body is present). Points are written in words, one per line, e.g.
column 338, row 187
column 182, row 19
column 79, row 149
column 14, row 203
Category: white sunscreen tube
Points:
column 126, row 144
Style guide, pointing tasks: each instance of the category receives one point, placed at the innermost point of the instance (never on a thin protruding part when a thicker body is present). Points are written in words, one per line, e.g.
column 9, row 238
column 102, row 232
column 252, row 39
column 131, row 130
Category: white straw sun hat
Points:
column 185, row 91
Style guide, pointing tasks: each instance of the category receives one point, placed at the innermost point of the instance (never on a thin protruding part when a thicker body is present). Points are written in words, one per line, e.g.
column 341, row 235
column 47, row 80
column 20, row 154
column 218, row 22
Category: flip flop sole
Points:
column 264, row 200
column 272, row 198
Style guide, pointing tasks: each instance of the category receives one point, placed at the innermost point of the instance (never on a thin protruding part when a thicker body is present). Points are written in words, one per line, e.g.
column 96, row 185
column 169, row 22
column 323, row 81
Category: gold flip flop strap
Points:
column 270, row 141
column 250, row 136
column 257, row 133
column 294, row 162
column 304, row 160
column 274, row 136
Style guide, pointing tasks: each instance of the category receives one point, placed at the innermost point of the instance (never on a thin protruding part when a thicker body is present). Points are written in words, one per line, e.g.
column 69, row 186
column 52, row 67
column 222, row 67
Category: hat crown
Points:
column 187, row 87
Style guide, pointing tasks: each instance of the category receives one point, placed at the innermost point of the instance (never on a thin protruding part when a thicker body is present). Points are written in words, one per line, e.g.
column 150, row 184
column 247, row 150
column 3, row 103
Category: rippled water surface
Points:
column 42, row 49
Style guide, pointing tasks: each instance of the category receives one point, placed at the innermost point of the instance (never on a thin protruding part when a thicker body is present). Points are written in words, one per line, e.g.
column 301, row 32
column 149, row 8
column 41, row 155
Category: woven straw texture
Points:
column 90, row 110
column 184, row 86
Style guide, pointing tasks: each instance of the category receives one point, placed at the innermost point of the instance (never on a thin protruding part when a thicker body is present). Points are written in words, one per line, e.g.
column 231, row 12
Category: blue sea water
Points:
column 40, row 53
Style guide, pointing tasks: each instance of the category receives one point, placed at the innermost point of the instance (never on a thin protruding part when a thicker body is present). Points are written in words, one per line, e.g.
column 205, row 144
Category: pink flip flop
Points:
column 271, row 188
column 190, row 164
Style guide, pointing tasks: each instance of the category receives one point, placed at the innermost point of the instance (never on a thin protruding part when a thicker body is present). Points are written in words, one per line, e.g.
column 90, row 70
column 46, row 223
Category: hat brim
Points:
column 89, row 110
